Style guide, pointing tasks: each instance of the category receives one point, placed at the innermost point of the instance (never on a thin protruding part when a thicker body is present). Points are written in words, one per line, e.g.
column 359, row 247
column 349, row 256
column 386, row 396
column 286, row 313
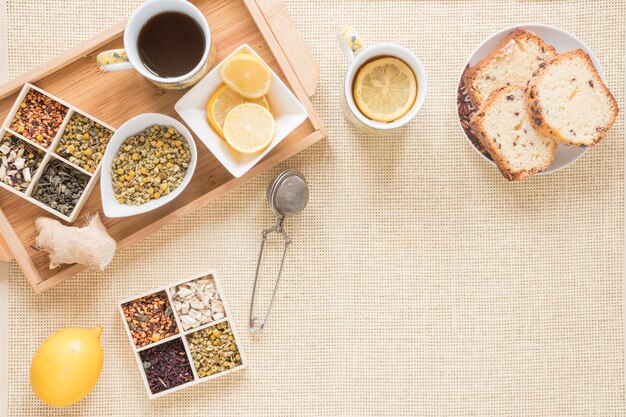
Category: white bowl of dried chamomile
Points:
column 149, row 161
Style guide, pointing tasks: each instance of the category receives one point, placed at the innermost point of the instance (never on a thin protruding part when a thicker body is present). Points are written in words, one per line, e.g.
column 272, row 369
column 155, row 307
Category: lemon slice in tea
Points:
column 385, row 89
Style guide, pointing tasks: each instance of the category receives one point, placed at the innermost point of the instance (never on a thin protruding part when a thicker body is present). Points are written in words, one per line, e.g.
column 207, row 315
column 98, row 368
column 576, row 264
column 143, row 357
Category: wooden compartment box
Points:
column 182, row 335
column 115, row 97
column 50, row 154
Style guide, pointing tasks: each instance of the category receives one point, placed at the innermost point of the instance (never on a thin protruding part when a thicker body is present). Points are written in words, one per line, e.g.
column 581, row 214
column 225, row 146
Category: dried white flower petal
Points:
column 19, row 163
column 196, row 315
column 184, row 292
column 217, row 306
column 190, row 321
column 196, row 305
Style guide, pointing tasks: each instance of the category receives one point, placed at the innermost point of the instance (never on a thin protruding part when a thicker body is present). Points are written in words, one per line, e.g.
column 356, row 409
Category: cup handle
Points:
column 350, row 42
column 113, row 60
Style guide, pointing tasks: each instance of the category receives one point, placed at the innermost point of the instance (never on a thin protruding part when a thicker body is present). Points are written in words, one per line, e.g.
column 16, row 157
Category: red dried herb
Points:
column 166, row 366
column 150, row 319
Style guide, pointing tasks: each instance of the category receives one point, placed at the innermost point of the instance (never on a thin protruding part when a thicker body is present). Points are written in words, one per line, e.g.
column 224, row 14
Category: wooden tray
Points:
column 115, row 97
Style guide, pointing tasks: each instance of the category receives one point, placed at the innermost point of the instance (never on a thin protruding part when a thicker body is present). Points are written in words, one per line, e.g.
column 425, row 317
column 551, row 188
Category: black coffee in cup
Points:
column 171, row 44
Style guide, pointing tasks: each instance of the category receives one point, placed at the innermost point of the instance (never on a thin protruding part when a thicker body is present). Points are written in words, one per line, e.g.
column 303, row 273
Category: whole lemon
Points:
column 66, row 366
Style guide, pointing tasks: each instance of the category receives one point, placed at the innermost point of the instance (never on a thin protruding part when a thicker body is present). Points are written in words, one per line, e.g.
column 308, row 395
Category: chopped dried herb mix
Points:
column 60, row 187
column 38, row 118
column 83, row 142
column 18, row 162
column 166, row 366
column 150, row 319
column 214, row 350
column 150, row 165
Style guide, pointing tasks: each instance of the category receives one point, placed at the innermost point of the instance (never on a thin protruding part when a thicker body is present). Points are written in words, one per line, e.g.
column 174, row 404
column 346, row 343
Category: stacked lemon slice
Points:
column 223, row 101
column 239, row 110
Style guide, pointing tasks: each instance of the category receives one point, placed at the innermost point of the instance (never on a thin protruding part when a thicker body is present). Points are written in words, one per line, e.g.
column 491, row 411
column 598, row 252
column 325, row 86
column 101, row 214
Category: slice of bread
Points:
column 503, row 127
column 512, row 62
column 567, row 100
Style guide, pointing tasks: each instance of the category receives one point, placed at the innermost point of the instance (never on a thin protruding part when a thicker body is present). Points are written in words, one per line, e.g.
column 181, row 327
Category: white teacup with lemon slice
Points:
column 385, row 85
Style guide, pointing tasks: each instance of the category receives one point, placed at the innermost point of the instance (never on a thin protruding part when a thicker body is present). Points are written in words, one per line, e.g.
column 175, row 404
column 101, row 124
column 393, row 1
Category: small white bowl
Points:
column 562, row 42
column 113, row 208
column 288, row 112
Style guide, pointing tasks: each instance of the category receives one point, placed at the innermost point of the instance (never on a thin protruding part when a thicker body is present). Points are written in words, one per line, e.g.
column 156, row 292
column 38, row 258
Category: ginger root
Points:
column 91, row 245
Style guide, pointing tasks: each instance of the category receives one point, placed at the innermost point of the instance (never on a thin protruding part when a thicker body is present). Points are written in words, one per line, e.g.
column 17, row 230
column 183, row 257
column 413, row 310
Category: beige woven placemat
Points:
column 420, row 282
column 4, row 267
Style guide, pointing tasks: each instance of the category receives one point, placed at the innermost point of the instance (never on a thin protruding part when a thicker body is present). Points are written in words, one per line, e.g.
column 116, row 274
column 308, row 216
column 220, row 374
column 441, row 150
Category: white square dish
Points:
column 288, row 112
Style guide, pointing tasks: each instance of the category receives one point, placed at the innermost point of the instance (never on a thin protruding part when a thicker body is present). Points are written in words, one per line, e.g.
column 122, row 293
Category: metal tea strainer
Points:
column 287, row 196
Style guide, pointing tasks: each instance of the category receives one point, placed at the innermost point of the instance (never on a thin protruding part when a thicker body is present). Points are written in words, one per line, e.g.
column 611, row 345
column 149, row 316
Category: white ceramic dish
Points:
column 110, row 205
column 563, row 42
column 287, row 110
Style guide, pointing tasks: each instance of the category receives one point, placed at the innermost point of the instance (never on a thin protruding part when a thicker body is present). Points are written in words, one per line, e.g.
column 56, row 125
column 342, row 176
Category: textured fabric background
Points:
column 420, row 282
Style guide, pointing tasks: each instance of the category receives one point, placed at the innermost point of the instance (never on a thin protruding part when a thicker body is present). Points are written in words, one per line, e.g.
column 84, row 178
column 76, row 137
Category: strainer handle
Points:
column 255, row 324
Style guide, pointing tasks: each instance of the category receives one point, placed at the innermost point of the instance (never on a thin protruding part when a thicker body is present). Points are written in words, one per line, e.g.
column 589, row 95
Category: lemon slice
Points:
column 247, row 75
column 385, row 89
column 249, row 128
column 223, row 101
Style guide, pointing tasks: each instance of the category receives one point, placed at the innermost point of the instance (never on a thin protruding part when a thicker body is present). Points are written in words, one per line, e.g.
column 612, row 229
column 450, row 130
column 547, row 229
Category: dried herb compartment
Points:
column 33, row 108
column 218, row 336
column 19, row 162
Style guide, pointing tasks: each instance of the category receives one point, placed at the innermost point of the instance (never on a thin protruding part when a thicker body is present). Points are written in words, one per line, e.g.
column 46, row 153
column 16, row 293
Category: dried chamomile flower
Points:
column 150, row 165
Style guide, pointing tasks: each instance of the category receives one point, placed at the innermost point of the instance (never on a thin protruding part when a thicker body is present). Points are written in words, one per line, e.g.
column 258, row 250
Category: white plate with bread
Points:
column 533, row 99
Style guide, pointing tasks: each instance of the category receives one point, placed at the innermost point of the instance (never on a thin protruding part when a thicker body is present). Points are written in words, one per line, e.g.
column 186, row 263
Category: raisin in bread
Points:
column 503, row 127
column 512, row 62
column 567, row 100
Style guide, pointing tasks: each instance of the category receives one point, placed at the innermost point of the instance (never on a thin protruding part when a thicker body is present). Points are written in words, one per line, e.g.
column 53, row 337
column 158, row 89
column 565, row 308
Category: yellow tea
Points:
column 384, row 89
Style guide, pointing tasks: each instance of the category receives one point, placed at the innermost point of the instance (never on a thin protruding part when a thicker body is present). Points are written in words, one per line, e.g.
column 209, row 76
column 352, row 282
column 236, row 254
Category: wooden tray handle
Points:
column 5, row 252
column 292, row 44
